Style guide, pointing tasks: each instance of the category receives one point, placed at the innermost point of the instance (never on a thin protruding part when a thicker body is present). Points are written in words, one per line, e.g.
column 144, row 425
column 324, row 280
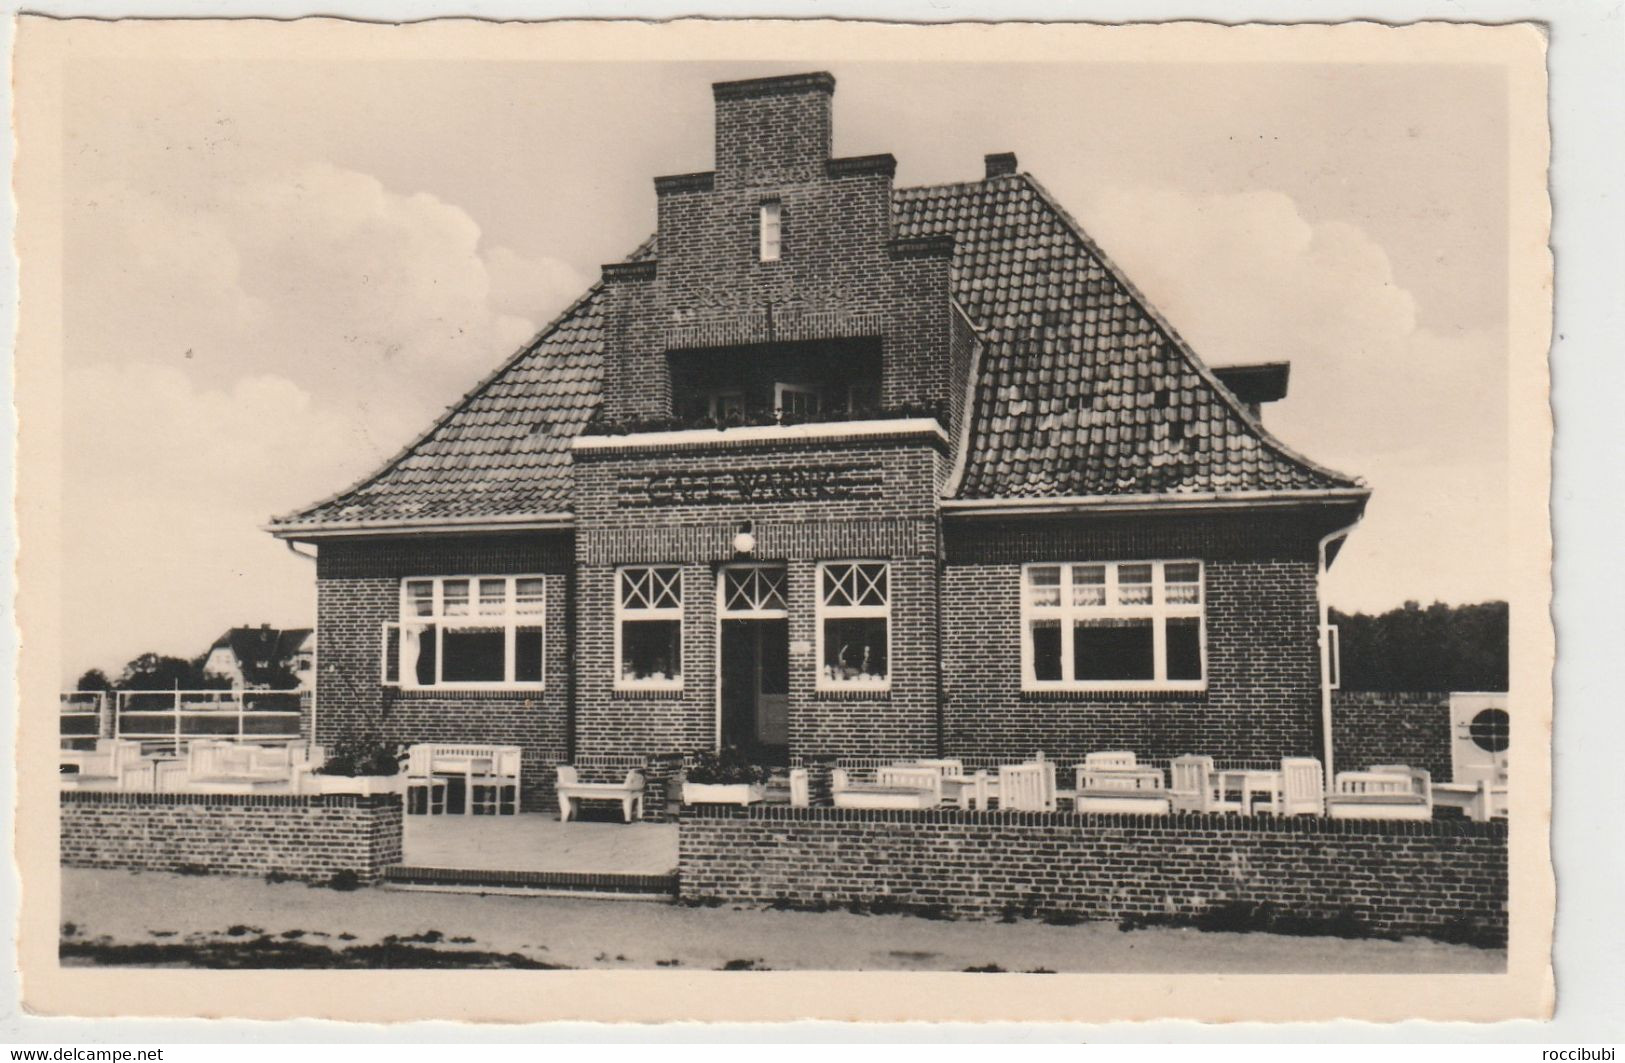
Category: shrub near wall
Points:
column 304, row 837
column 1444, row 878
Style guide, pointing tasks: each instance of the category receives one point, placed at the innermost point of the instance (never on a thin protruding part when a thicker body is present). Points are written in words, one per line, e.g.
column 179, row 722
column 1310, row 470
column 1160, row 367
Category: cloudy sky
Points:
column 278, row 272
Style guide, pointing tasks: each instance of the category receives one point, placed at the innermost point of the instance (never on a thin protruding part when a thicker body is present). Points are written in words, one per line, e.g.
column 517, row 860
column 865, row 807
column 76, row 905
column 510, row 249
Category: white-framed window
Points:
column 770, row 223
column 468, row 632
column 649, row 627
column 795, row 400
column 1120, row 625
column 854, row 626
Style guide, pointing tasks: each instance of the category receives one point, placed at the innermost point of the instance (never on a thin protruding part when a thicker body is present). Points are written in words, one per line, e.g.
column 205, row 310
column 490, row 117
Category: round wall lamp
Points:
column 745, row 539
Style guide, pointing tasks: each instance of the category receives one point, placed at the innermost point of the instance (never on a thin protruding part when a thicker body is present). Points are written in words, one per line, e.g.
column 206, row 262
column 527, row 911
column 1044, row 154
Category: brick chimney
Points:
column 772, row 130
column 1001, row 164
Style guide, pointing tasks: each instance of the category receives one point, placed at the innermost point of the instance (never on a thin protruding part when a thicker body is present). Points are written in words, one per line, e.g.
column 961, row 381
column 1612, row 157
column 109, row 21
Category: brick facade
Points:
column 891, row 520
column 1263, row 673
column 1381, row 727
column 842, row 273
column 1442, row 878
column 358, row 590
column 304, row 837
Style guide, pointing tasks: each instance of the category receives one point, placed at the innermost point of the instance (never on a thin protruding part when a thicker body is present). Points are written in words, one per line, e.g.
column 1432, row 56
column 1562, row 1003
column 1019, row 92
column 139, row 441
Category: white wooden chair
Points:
column 1379, row 795
column 425, row 791
column 956, row 786
column 1027, row 787
column 496, row 793
column 1303, row 787
column 571, row 791
column 1194, row 788
column 205, row 759
column 1109, row 760
column 104, row 767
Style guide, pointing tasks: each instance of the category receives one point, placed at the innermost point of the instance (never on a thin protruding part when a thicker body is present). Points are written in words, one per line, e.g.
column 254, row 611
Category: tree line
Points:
column 157, row 671
column 1436, row 648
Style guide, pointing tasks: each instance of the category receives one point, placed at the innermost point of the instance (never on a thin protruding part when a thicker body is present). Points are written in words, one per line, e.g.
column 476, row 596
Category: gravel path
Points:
column 151, row 908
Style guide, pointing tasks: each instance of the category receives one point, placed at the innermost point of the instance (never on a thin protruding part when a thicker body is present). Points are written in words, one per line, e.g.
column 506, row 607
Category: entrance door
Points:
column 754, row 654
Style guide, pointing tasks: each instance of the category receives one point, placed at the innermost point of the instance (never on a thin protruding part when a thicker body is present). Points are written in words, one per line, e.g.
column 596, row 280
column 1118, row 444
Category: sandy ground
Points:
column 134, row 907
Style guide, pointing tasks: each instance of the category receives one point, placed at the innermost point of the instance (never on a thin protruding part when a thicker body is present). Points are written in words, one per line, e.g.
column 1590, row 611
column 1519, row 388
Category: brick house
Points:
column 833, row 467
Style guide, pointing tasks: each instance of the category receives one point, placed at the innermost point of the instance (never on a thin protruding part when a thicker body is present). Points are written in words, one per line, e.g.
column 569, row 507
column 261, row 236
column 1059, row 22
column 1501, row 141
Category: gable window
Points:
column 854, row 626
column 770, row 225
column 649, row 627
column 467, row 632
column 1113, row 626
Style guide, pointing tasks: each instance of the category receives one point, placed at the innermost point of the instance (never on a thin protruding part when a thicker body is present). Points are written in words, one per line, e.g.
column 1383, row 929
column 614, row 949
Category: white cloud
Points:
column 1419, row 414
column 235, row 354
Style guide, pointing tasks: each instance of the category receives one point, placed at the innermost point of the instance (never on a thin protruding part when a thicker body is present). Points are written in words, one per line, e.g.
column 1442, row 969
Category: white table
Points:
column 1250, row 783
column 467, row 768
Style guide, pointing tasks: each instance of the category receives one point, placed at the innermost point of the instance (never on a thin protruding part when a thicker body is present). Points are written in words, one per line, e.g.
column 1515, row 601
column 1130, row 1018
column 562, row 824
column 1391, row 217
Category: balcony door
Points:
column 754, row 661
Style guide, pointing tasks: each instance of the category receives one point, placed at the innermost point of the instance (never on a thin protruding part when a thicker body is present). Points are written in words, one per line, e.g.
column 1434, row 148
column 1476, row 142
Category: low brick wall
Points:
column 1378, row 727
column 306, row 837
column 1441, row 878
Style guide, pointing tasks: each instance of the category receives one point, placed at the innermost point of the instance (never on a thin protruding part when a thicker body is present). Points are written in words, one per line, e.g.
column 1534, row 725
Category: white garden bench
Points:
column 895, row 787
column 629, row 792
column 1121, row 789
column 1380, row 795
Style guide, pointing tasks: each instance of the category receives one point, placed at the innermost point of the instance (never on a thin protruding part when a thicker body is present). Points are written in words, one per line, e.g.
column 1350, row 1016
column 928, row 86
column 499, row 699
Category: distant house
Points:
column 264, row 657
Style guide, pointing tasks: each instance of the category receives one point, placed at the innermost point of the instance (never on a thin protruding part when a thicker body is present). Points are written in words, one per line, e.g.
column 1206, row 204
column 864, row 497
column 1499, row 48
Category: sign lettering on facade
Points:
column 721, row 487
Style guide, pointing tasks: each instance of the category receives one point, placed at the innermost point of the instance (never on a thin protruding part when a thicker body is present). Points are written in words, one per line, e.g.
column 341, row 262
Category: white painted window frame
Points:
column 725, row 612
column 770, row 230
column 1158, row 611
column 823, row 611
column 511, row 620
column 625, row 613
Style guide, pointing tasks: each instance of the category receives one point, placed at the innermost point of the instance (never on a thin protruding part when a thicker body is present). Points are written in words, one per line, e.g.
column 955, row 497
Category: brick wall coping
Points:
column 685, row 182
column 1174, row 824
column 641, row 270
column 862, row 165
column 784, row 85
column 99, row 797
column 895, row 428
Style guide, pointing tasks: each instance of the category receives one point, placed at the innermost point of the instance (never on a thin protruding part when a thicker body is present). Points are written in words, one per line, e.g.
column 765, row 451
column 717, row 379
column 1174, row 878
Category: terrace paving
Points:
column 539, row 843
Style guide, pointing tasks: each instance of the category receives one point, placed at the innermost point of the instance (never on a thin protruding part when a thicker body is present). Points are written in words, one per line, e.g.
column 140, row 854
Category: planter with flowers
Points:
column 725, row 778
column 358, row 765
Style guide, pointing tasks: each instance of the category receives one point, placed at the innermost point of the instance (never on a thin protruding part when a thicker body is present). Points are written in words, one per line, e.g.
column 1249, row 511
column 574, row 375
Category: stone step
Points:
column 615, row 884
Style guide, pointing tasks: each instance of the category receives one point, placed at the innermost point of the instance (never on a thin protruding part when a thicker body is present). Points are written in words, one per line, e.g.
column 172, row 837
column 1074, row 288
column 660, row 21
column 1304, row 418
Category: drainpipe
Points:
column 315, row 653
column 1323, row 638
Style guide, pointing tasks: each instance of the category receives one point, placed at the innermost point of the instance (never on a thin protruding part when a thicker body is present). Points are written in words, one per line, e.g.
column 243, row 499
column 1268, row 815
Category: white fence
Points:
column 82, row 717
column 178, row 716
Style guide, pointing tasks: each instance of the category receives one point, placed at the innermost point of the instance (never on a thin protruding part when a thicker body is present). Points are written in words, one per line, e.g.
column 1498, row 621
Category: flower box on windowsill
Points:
column 724, row 793
column 363, row 785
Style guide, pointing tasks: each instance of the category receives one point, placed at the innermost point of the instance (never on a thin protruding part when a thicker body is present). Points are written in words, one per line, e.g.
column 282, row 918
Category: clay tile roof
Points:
column 503, row 451
column 1082, row 388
